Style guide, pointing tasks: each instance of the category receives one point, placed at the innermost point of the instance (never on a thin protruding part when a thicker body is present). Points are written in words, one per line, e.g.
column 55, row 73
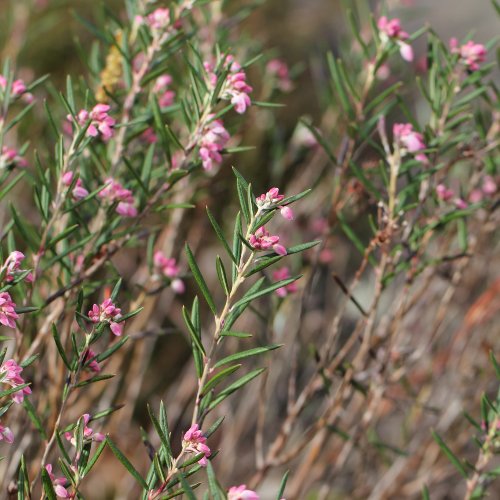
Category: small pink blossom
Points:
column 194, row 442
column 279, row 69
column 165, row 95
column 178, row 286
column 489, row 185
column 409, row 141
column 109, row 313
column 149, row 136
column 8, row 313
column 390, row 29
column 241, row 493
column 18, row 89
column 444, row 193
column 11, row 158
column 88, row 433
column 269, row 199
column 471, row 54
column 460, row 203
column 167, row 267
column 93, row 365
column 283, row 274
column 262, row 240
column 214, row 139
column 79, row 192
column 100, row 122
column 114, row 192
column 12, row 267
column 6, row 434
column 10, row 373
column 159, row 19
column 287, row 213
column 59, row 483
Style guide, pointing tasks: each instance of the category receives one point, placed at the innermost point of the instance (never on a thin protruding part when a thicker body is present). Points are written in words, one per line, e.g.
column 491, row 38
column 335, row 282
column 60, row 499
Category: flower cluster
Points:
column 279, row 70
column 78, row 192
column 107, row 312
column 114, row 192
column 8, row 313
column 390, row 29
column 100, row 122
column 88, row 433
column 11, row 158
column 60, row 483
column 158, row 20
column 168, row 268
column 241, row 493
column 12, row 267
column 194, row 441
column 262, row 240
column 446, row 194
column 488, row 188
column 471, row 54
column 235, row 87
column 214, row 139
column 10, row 373
column 18, row 89
column 160, row 88
column 409, row 141
column 271, row 199
column 283, row 274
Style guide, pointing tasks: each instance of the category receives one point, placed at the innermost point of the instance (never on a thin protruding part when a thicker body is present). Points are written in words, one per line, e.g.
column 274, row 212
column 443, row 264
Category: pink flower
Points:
column 390, row 29
column 235, row 87
column 114, row 192
column 213, row 140
column 159, row 19
column 149, row 136
column 409, row 141
column 12, row 266
column 79, row 192
column 178, row 286
column 168, row 268
column 100, row 122
column 283, row 274
column 470, row 54
column 444, row 193
column 88, row 433
column 287, row 213
column 93, row 365
column 460, row 204
column 8, row 313
column 165, row 96
column 241, row 493
column 58, row 483
column 10, row 373
column 7, row 434
column 18, row 89
column 489, row 186
column 107, row 312
column 269, row 199
column 11, row 158
column 194, row 442
column 279, row 70
column 262, row 240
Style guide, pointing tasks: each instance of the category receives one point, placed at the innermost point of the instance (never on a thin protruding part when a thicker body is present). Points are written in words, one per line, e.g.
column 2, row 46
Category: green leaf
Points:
column 234, row 387
column 97, row 378
column 126, row 463
column 60, row 348
column 94, row 458
column 249, row 297
column 219, row 377
column 451, row 457
column 246, row 354
column 220, row 235
column 281, row 491
column 47, row 486
column 164, row 438
column 188, row 491
column 239, row 335
column 221, row 274
column 31, row 411
column 192, row 331
column 200, row 280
